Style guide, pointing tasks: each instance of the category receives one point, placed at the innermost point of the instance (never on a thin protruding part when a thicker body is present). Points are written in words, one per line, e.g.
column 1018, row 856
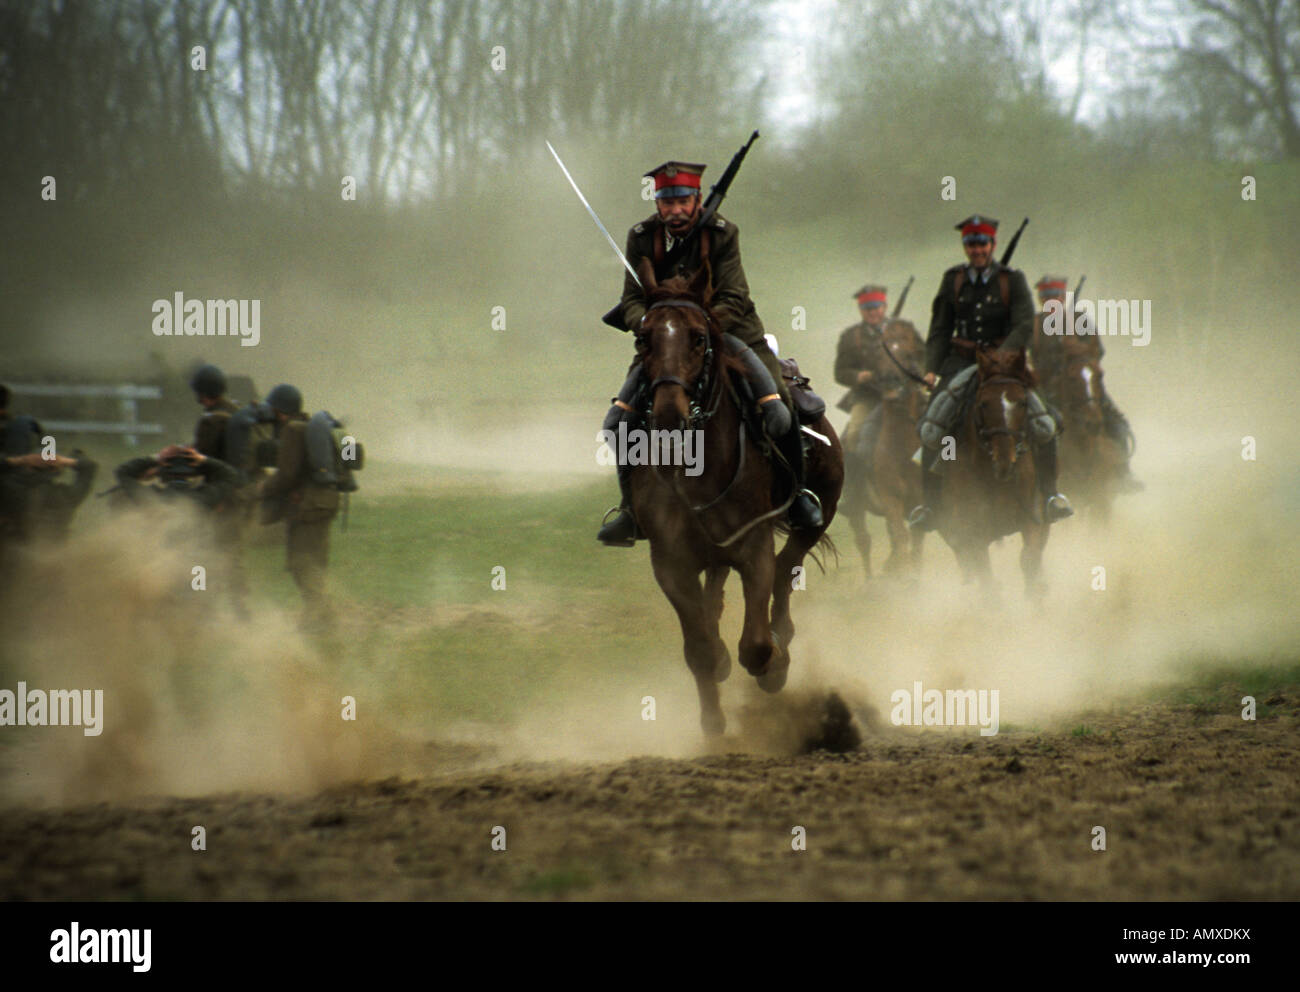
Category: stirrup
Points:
column 817, row 519
column 1059, row 511
column 617, row 540
column 921, row 519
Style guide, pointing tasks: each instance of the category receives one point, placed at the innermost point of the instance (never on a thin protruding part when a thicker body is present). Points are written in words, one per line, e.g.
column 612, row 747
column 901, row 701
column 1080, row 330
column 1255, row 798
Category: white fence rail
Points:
column 127, row 395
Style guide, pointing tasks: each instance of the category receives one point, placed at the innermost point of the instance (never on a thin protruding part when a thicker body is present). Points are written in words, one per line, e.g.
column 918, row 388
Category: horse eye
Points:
column 698, row 340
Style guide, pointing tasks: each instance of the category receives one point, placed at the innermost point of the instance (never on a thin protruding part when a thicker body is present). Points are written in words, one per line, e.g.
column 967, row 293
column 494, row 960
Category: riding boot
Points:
column 622, row 531
column 925, row 517
column 1055, row 505
column 805, row 512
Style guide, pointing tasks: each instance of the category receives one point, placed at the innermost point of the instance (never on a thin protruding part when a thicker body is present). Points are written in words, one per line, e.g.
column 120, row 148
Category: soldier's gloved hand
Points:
column 930, row 379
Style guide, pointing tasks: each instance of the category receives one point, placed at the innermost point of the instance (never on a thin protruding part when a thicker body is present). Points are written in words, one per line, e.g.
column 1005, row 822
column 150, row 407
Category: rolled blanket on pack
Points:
column 776, row 416
column 1044, row 421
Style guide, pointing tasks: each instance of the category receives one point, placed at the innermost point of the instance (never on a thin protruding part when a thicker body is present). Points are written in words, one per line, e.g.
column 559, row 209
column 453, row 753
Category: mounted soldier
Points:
column 981, row 304
column 681, row 237
column 1050, row 360
column 210, row 439
column 855, row 363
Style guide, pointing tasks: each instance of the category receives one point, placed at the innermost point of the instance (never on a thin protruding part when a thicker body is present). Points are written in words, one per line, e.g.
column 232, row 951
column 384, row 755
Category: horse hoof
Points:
column 773, row 680
column 724, row 666
column 714, row 724
column 778, row 668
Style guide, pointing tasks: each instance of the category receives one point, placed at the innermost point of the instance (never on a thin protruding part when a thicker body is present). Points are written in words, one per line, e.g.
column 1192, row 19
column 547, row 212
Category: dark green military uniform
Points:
column 858, row 349
column 228, row 523
column 210, row 431
column 731, row 304
column 977, row 312
column 308, row 510
column 992, row 307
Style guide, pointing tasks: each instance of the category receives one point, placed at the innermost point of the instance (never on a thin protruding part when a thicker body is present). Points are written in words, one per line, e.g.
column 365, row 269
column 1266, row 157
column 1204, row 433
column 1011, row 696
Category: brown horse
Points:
column 888, row 486
column 991, row 490
column 723, row 516
column 1092, row 463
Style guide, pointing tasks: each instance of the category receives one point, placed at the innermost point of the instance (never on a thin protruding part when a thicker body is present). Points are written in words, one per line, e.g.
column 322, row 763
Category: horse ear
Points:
column 646, row 270
column 701, row 283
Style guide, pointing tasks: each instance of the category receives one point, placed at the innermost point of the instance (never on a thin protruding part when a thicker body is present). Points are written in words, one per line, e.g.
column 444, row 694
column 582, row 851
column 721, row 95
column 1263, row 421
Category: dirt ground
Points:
column 1195, row 806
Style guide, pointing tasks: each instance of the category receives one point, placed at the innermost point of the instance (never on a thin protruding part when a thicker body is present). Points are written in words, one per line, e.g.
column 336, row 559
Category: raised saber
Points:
column 612, row 243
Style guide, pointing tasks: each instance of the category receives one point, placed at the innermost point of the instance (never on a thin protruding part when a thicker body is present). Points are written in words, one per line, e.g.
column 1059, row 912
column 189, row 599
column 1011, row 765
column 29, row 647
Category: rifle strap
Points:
column 659, row 247
column 957, row 284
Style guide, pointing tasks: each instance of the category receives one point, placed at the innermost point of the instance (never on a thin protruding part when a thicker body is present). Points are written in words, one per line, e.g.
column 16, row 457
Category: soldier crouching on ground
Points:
column 34, row 505
column 307, row 508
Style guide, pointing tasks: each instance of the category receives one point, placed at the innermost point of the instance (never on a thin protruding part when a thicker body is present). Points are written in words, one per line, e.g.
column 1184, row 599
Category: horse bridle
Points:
column 699, row 415
column 706, row 382
column 985, row 434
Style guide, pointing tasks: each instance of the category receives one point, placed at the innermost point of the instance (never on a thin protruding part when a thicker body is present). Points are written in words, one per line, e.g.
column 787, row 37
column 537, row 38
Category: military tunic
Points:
column 228, row 523
column 859, row 346
column 977, row 314
column 730, row 302
column 308, row 510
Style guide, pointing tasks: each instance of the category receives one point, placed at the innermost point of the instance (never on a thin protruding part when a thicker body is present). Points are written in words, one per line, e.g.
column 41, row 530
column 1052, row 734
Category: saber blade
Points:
column 612, row 243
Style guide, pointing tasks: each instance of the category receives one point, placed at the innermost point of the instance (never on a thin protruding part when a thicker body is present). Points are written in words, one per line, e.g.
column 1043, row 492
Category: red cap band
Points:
column 866, row 298
column 987, row 229
column 680, row 178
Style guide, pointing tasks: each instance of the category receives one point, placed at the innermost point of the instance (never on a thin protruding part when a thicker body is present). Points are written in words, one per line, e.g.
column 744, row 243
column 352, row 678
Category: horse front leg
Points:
column 1034, row 541
column 700, row 641
column 715, row 578
column 761, row 652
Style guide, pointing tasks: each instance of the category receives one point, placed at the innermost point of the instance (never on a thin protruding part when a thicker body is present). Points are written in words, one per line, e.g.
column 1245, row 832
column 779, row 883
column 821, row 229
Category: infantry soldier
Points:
column 178, row 470
column 209, row 385
column 1048, row 353
column 855, row 366
column 661, row 238
column 306, row 507
column 33, row 505
column 980, row 303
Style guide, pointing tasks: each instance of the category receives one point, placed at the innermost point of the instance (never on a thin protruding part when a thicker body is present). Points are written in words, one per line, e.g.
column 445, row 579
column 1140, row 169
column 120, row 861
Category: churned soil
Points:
column 1194, row 805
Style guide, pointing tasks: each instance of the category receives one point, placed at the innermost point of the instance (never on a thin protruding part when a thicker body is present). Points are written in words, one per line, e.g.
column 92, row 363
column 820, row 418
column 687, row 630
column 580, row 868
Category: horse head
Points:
column 1080, row 389
column 680, row 345
column 1002, row 408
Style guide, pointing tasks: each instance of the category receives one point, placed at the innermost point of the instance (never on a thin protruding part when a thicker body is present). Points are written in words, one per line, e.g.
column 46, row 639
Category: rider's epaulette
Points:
column 955, row 269
column 719, row 222
column 639, row 227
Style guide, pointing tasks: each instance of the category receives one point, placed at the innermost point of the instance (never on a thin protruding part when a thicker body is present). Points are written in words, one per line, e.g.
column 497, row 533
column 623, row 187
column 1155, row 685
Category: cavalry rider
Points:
column 855, row 366
column 1048, row 353
column 661, row 238
column 981, row 303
